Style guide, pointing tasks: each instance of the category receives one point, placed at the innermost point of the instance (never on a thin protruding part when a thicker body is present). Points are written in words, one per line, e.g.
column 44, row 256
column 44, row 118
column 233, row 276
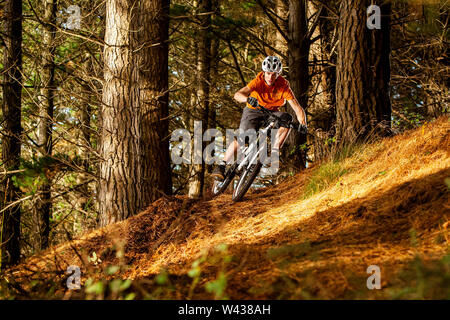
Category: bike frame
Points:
column 248, row 158
column 248, row 151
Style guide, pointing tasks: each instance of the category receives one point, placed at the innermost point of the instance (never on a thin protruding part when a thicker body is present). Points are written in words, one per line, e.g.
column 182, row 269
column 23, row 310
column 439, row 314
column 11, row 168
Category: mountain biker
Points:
column 271, row 91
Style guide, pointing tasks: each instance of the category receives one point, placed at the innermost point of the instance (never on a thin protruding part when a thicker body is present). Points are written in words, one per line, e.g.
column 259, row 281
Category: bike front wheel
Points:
column 245, row 181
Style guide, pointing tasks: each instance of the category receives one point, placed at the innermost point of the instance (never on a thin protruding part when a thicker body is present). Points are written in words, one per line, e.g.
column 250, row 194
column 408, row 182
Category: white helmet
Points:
column 272, row 64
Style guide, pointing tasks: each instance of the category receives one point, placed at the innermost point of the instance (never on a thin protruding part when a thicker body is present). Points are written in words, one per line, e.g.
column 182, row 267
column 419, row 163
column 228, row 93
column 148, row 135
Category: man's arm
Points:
column 299, row 111
column 242, row 95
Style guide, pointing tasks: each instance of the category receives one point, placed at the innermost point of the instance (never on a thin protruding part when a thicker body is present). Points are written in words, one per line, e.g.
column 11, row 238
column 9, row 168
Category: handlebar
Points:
column 301, row 128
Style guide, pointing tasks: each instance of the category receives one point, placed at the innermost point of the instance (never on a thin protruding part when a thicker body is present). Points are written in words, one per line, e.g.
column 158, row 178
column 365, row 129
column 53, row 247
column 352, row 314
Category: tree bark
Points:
column 44, row 135
column 119, row 188
column 282, row 9
column 11, row 132
column 84, row 196
column 152, row 64
column 135, row 140
column 214, row 71
column 203, row 81
column 322, row 109
column 363, row 74
column 298, row 45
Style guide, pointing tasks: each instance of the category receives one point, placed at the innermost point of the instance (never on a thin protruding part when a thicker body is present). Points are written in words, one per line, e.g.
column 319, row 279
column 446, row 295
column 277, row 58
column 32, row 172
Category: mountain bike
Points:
column 249, row 164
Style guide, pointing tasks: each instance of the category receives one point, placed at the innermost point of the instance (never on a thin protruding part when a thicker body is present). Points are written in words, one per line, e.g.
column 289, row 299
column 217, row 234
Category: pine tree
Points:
column 119, row 185
column 11, row 133
column 363, row 73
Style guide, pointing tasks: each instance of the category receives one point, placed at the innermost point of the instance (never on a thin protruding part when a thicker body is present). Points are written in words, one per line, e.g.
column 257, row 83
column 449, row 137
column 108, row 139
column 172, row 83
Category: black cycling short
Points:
column 254, row 119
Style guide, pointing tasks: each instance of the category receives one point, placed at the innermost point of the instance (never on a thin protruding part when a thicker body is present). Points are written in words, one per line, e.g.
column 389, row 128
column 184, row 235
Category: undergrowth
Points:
column 104, row 282
column 422, row 280
column 330, row 171
column 323, row 177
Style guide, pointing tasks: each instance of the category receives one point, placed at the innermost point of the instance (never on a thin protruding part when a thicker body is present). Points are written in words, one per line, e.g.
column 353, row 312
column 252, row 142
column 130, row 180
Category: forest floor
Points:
column 313, row 236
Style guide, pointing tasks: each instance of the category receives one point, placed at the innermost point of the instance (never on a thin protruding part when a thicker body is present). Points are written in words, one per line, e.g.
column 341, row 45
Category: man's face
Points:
column 270, row 77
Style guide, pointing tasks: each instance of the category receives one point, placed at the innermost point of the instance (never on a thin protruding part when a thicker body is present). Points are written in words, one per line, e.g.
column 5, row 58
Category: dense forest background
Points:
column 92, row 91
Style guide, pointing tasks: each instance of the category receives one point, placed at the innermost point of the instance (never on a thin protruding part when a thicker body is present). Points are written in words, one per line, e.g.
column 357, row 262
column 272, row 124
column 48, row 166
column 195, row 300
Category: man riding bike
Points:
column 271, row 91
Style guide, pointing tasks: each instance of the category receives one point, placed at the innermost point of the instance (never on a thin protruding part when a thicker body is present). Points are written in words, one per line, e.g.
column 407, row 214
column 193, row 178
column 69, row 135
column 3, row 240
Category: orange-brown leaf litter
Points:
column 391, row 206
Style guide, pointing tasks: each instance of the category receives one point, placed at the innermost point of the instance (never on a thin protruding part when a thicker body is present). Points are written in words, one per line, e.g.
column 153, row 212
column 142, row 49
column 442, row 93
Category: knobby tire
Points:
column 245, row 181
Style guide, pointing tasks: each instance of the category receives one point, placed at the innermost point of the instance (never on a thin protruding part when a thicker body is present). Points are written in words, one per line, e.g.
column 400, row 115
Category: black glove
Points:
column 253, row 102
column 302, row 129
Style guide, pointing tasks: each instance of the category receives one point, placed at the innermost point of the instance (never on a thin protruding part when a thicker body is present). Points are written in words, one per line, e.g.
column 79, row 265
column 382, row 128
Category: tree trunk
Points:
column 322, row 108
column 119, row 188
column 11, row 132
column 84, row 204
column 363, row 74
column 203, row 80
column 44, row 135
column 282, row 9
column 214, row 92
column 135, row 124
column 298, row 75
column 152, row 64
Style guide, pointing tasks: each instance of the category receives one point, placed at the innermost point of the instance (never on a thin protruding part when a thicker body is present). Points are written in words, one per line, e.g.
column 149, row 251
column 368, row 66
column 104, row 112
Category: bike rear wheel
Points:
column 245, row 181
column 221, row 186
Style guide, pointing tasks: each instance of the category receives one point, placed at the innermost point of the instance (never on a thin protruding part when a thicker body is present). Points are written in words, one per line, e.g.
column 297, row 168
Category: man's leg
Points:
column 282, row 131
column 231, row 151
column 280, row 137
column 219, row 171
column 250, row 120
column 275, row 152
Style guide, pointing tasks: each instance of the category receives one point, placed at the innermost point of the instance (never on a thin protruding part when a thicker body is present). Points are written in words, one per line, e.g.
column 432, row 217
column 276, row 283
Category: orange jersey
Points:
column 270, row 97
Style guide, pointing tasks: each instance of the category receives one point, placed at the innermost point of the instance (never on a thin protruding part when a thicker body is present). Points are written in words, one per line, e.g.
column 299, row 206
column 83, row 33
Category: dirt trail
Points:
column 391, row 206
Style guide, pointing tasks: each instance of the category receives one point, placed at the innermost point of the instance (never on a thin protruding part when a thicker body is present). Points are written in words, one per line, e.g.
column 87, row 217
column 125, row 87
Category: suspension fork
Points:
column 252, row 146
